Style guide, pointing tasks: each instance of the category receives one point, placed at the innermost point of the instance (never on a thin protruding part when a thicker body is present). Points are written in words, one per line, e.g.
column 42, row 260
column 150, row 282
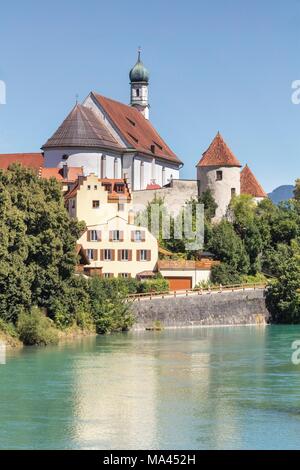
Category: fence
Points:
column 198, row 291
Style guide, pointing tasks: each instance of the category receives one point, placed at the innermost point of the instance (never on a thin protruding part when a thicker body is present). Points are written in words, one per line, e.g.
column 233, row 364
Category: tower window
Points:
column 233, row 192
column 137, row 92
column 219, row 175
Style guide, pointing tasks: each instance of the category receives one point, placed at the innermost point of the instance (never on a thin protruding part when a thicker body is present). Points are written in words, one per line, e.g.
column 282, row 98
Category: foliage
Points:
column 37, row 241
column 225, row 274
column 35, row 328
column 210, row 206
column 283, row 294
column 109, row 308
column 153, row 285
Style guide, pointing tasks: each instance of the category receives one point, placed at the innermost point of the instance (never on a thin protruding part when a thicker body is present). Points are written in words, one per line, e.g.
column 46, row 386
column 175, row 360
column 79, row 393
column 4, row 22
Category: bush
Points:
column 35, row 328
column 8, row 329
column 109, row 307
column 225, row 274
column 154, row 285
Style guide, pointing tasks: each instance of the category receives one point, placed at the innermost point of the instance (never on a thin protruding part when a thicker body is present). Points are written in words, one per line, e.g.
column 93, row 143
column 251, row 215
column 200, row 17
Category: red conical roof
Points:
column 250, row 185
column 218, row 154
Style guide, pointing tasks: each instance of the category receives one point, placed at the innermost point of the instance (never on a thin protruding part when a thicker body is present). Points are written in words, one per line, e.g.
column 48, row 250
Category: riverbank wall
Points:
column 245, row 307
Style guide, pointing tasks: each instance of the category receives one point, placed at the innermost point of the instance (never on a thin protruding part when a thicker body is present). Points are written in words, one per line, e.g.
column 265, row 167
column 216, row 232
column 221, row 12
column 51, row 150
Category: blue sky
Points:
column 215, row 65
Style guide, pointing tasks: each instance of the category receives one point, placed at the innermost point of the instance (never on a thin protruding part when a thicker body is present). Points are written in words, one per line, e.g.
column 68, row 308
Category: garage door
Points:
column 179, row 283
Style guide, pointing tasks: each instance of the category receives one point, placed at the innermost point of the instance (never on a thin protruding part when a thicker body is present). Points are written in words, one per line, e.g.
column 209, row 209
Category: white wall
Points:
column 221, row 190
column 198, row 275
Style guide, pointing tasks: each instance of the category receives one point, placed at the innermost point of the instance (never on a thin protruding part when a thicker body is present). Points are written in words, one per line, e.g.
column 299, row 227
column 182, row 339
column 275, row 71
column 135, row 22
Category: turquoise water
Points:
column 208, row 388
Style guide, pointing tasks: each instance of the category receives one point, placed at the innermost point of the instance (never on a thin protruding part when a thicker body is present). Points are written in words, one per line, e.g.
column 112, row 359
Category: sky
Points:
column 215, row 65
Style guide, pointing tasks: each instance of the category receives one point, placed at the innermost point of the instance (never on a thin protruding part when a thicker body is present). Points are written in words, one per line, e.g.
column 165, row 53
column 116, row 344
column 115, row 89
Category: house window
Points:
column 124, row 255
column 120, row 188
column 108, row 275
column 219, row 175
column 89, row 187
column 107, row 255
column 121, row 207
column 233, row 192
column 138, row 236
column 91, row 254
column 95, row 187
column 73, row 205
column 96, row 204
column 116, row 235
column 94, row 235
column 143, row 255
column 124, row 275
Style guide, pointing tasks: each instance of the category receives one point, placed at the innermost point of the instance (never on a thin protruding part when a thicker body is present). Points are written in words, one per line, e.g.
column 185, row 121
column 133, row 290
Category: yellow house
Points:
column 113, row 244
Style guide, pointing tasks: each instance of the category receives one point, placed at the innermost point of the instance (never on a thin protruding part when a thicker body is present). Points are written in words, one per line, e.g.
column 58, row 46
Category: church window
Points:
column 96, row 204
column 153, row 148
column 219, row 175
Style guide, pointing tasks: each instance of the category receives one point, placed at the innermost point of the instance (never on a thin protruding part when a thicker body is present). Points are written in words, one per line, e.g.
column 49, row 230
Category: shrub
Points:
column 225, row 274
column 154, row 285
column 109, row 307
column 35, row 328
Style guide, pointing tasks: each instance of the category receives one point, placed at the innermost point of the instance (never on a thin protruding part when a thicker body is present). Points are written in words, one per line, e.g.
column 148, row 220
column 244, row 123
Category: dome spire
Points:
column 139, row 81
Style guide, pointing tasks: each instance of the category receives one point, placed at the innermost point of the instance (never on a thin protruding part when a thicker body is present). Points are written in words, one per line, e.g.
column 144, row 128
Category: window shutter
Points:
column 138, row 255
column 119, row 255
column 110, row 236
column 132, row 236
column 143, row 236
column 121, row 236
column 99, row 235
column 148, row 255
column 88, row 236
column 95, row 255
column 112, row 255
column 101, row 255
column 129, row 255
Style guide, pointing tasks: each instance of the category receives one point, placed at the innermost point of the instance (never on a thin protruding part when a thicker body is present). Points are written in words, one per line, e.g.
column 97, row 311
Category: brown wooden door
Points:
column 179, row 283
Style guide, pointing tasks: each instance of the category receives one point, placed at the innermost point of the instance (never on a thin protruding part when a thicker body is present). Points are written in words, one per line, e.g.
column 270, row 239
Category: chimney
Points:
column 65, row 171
column 131, row 217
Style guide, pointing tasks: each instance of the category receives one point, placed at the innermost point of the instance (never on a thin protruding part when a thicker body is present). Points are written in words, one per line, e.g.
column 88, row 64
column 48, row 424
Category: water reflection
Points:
column 196, row 388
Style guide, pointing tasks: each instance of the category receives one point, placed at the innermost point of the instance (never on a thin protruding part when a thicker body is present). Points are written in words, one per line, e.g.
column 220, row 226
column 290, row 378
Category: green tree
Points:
column 37, row 238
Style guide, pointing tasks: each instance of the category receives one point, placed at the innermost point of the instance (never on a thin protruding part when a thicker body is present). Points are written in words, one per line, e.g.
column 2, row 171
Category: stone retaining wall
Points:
column 226, row 308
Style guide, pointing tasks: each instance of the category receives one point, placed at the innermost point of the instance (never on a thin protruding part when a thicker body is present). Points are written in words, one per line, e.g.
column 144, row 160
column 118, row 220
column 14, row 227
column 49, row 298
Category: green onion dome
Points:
column 139, row 73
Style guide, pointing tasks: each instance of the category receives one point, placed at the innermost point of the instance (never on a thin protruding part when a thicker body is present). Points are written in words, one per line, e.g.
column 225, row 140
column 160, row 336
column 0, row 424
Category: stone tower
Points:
column 219, row 171
column 139, row 82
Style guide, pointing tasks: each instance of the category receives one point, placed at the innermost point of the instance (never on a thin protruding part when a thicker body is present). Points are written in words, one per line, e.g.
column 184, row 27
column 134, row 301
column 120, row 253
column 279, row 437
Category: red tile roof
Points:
column 57, row 173
column 30, row 160
column 137, row 131
column 153, row 186
column 113, row 195
column 250, row 185
column 218, row 154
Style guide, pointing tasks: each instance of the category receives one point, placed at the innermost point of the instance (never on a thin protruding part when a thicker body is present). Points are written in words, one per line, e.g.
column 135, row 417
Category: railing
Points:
column 198, row 291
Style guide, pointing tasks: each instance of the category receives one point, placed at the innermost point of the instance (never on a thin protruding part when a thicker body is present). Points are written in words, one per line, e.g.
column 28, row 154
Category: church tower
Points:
column 139, row 81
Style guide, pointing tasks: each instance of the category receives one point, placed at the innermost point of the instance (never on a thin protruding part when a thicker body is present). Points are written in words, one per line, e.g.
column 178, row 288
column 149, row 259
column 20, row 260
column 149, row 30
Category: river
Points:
column 202, row 388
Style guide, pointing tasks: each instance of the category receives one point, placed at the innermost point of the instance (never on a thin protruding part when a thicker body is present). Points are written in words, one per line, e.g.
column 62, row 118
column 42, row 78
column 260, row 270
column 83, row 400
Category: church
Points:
column 114, row 140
